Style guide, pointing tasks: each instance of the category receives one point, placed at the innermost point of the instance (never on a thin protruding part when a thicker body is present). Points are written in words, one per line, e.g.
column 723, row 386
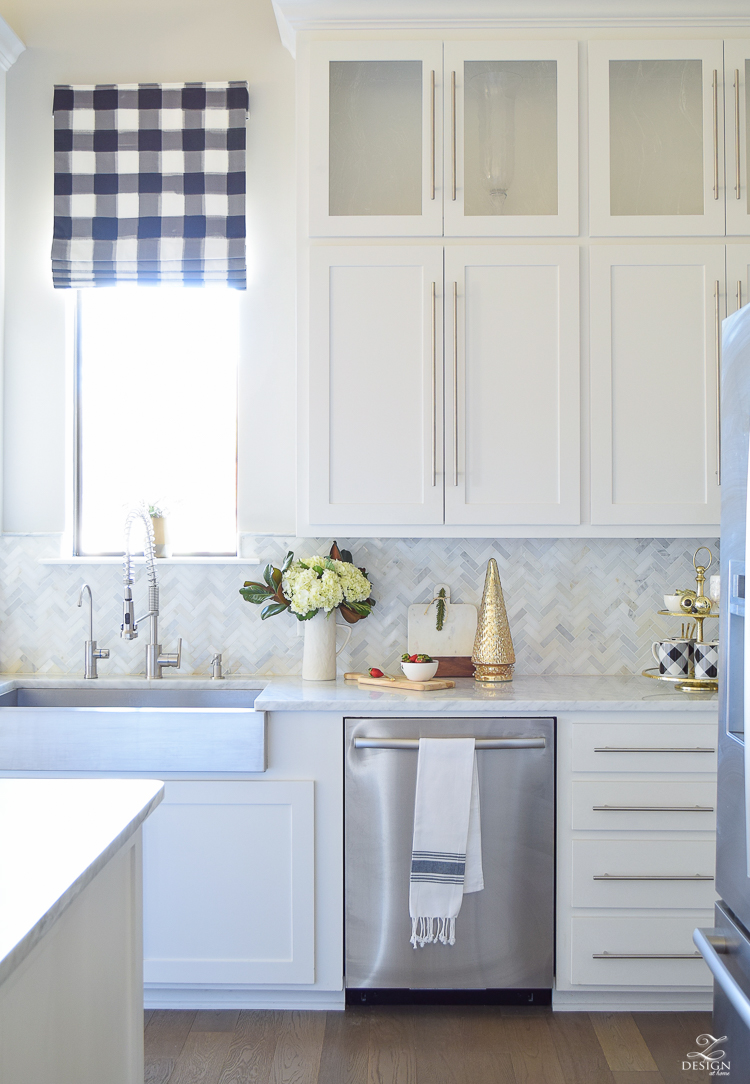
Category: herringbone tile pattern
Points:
column 576, row 606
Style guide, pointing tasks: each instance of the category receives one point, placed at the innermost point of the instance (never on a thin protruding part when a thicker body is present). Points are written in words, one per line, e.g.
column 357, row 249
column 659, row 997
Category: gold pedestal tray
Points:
column 683, row 684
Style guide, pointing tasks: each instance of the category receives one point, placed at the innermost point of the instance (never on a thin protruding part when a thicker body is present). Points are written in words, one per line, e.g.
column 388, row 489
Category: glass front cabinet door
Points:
column 656, row 134
column 375, row 139
column 737, row 80
column 510, row 114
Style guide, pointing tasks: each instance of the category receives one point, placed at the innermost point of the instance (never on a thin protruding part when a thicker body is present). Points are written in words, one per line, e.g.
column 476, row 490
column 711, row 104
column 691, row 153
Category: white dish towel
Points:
column 446, row 859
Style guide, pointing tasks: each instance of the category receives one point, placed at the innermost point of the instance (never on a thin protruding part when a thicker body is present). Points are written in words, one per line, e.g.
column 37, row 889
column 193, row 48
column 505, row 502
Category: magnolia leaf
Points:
column 306, row 617
column 268, row 572
column 335, row 552
column 287, row 561
column 346, row 555
column 276, row 577
column 255, row 594
column 254, row 583
column 272, row 609
column 349, row 615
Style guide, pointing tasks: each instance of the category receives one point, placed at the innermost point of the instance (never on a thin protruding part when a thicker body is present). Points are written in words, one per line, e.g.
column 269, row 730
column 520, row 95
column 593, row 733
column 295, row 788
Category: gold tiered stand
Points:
column 702, row 609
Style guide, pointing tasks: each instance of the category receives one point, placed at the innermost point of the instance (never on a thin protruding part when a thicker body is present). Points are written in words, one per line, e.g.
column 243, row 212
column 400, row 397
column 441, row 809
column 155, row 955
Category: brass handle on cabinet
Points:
column 737, row 178
column 453, row 135
column 716, row 132
column 653, row 808
column 653, row 877
column 455, row 383
column 717, row 348
column 433, row 378
column 432, row 132
column 645, row 955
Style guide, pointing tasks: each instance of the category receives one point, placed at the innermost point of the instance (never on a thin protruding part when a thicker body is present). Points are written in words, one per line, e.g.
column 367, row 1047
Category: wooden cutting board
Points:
column 401, row 683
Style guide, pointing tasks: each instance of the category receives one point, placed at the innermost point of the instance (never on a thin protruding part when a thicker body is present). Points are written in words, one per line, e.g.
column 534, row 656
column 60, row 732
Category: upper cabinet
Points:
column 402, row 141
column 656, row 114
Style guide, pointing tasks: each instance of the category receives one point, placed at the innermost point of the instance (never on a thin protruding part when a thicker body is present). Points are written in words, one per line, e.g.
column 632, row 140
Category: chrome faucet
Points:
column 216, row 672
column 155, row 658
column 91, row 653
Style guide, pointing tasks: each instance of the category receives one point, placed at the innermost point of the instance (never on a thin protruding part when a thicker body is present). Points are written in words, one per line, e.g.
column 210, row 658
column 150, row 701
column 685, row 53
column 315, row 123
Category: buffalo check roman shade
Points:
column 150, row 184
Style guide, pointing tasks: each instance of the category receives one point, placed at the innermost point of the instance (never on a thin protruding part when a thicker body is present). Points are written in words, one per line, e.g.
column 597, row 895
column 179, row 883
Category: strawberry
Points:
column 413, row 658
column 374, row 672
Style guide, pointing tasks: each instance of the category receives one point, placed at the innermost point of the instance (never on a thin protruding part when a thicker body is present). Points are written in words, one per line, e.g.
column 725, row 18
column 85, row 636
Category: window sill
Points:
column 138, row 560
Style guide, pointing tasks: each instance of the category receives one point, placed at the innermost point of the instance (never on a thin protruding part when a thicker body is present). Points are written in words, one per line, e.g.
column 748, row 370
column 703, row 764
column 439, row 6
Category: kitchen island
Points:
column 71, row 991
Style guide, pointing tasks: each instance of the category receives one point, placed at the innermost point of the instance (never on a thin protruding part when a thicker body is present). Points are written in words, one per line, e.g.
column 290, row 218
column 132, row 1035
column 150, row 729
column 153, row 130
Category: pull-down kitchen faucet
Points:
column 155, row 659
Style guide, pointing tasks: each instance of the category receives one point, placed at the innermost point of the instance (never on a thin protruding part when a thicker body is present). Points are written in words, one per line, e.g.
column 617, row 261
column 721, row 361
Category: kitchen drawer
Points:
column 664, row 747
column 651, row 860
column 654, row 939
column 644, row 805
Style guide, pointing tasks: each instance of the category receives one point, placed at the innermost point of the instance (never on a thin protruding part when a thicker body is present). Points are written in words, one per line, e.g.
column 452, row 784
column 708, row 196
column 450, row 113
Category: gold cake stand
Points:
column 702, row 609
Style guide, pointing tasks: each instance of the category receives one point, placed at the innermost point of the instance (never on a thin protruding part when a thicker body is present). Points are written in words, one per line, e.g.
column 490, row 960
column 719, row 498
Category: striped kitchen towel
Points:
column 446, row 859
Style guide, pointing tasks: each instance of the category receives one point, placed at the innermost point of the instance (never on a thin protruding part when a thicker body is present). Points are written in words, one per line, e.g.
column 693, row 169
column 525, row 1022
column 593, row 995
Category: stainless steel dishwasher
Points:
column 504, row 934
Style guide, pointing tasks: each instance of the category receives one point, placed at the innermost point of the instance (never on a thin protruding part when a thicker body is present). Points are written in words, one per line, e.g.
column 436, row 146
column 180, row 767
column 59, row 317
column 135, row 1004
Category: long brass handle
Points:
column 646, row 955
column 453, row 135
column 717, row 349
column 433, row 378
column 653, row 877
column 652, row 749
column 737, row 178
column 455, row 383
column 653, row 808
column 480, row 743
column 432, row 133
column 716, row 132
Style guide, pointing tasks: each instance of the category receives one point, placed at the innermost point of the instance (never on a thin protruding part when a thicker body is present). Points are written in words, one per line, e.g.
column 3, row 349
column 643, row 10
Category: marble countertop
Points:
column 55, row 836
column 523, row 694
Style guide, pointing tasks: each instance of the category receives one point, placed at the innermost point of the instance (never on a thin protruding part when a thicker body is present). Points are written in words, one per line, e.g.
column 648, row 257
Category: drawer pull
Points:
column 653, row 877
column 653, row 808
column 652, row 749
column 646, row 956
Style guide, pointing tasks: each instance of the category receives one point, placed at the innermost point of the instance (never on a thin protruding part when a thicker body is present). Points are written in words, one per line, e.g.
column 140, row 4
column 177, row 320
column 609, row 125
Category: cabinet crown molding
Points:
column 295, row 16
column 11, row 46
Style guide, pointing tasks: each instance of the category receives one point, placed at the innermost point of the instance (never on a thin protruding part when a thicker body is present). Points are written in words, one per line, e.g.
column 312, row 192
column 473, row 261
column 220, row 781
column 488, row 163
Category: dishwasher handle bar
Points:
column 480, row 743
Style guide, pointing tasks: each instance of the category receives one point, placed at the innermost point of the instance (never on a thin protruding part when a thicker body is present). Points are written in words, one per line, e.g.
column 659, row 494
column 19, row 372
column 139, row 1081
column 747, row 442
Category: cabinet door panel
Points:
column 375, row 139
column 228, row 876
column 511, row 138
column 737, row 118
column 738, row 277
column 512, row 356
column 375, row 416
column 656, row 138
column 653, row 384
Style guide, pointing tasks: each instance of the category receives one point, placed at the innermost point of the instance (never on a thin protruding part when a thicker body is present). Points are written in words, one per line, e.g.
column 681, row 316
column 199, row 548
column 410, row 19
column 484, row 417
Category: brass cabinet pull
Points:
column 652, row 749
column 737, row 179
column 455, row 383
column 433, row 377
column 717, row 348
column 716, row 132
column 453, row 135
column 646, row 956
column 653, row 877
column 432, row 132
column 653, row 808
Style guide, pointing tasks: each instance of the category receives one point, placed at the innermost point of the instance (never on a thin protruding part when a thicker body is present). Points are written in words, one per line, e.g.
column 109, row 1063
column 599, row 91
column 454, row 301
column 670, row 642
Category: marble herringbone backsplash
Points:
column 576, row 606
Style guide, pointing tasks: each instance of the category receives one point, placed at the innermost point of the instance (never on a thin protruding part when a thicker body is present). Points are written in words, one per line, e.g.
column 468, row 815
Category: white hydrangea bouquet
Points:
column 311, row 584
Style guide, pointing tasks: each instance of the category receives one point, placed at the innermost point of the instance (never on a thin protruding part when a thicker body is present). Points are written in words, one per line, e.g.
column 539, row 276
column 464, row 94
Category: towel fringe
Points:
column 428, row 931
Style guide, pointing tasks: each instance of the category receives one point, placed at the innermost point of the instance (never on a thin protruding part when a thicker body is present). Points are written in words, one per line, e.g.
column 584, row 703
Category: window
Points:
column 156, row 415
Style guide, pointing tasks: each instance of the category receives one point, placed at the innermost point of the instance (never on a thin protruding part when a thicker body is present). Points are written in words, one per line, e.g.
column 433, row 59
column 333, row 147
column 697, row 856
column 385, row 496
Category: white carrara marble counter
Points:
column 523, row 694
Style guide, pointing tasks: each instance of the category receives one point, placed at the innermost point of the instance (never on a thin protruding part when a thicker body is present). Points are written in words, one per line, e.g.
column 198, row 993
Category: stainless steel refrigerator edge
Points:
column 504, row 934
column 727, row 947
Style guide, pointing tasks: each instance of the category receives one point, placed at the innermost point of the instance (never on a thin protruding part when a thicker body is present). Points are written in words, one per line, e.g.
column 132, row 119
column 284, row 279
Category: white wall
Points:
column 90, row 41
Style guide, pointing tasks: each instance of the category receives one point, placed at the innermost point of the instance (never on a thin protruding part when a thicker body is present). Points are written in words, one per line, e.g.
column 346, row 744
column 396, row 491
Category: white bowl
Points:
column 419, row 671
column 672, row 603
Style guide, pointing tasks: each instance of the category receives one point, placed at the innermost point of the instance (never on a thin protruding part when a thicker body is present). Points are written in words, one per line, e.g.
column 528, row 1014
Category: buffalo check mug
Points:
column 706, row 658
column 673, row 656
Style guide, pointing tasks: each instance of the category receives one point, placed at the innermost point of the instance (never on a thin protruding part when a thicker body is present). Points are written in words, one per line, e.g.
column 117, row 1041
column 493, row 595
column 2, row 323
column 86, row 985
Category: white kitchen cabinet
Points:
column 512, row 385
column 656, row 138
column 737, row 84
column 375, row 147
column 229, row 884
column 375, row 386
column 510, row 112
column 738, row 277
column 655, row 337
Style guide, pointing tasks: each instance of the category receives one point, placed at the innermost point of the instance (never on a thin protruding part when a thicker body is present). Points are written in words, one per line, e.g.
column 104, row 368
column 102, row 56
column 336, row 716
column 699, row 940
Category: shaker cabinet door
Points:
column 512, row 385
column 375, row 386
column 737, row 117
column 656, row 138
column 375, row 139
column 655, row 338
column 510, row 113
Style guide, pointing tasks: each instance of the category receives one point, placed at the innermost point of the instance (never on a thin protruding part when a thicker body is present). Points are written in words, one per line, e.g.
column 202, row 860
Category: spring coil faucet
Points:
column 155, row 658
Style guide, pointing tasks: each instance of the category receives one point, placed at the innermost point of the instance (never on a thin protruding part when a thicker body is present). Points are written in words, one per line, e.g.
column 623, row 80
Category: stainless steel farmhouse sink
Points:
column 132, row 731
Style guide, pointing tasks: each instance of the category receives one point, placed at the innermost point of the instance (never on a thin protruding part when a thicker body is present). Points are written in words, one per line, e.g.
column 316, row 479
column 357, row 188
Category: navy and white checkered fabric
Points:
column 150, row 184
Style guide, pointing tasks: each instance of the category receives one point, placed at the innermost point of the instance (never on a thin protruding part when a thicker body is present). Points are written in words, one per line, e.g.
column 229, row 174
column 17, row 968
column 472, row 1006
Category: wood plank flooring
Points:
column 420, row 1045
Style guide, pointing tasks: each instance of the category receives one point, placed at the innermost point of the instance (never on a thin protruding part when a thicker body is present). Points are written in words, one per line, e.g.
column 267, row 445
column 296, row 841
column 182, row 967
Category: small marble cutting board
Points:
column 456, row 636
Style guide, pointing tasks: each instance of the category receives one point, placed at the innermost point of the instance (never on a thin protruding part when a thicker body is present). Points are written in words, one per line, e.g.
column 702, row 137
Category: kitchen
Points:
column 589, row 510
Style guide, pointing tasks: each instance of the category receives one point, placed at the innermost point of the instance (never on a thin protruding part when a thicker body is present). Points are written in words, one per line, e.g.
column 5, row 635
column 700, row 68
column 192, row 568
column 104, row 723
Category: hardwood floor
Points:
column 420, row 1045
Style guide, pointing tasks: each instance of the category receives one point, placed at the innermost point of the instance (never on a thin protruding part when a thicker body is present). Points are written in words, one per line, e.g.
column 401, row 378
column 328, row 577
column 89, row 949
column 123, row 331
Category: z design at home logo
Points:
column 709, row 1059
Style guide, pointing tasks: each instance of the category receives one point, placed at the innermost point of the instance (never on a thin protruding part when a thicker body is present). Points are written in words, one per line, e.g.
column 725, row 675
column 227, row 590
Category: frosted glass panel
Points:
column 375, row 137
column 510, row 137
column 656, row 137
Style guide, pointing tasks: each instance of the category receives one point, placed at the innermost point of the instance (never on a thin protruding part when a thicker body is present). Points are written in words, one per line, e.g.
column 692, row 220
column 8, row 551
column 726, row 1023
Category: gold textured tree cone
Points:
column 493, row 655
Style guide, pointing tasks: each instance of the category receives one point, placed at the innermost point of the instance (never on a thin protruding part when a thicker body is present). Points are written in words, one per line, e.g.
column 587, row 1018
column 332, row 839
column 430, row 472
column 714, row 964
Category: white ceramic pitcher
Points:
column 320, row 651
